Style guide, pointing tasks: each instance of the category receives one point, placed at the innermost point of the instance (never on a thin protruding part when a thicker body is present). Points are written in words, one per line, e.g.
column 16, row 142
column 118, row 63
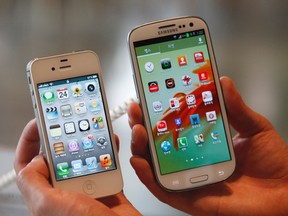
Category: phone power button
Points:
column 89, row 187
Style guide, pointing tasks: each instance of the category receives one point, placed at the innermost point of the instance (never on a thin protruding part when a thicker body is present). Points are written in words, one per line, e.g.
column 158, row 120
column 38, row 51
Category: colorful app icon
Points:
column 91, row 162
column 59, row 148
column 88, row 142
column 94, row 105
column 98, row 122
column 165, row 146
column 149, row 67
column 55, row 130
column 73, row 145
column 170, row 83
column 52, row 113
column 101, row 141
column 153, row 86
column 77, row 165
column 66, row 110
column 199, row 139
column 63, row 169
column 186, row 80
column 105, row 160
column 161, row 126
column 90, row 87
column 190, row 99
column 76, row 90
column 199, row 57
column 157, row 106
column 207, row 96
column 182, row 142
column 211, row 116
column 215, row 135
column 165, row 63
column 174, row 103
column 69, row 128
column 84, row 125
column 182, row 61
column 80, row 107
column 62, row 93
column 178, row 122
column 48, row 96
column 203, row 76
column 195, row 119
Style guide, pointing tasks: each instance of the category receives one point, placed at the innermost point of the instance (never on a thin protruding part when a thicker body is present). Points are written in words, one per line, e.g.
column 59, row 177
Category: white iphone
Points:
column 74, row 123
column 180, row 95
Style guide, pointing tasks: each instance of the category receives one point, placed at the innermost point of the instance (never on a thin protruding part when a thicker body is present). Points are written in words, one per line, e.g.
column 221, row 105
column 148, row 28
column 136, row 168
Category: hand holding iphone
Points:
column 74, row 123
column 180, row 95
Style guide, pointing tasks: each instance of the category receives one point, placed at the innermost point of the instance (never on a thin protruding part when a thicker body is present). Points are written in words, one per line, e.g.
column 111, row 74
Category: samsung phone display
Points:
column 180, row 94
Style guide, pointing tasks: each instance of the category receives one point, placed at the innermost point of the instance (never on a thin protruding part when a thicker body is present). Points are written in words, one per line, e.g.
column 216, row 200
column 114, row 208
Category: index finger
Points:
column 134, row 114
column 28, row 146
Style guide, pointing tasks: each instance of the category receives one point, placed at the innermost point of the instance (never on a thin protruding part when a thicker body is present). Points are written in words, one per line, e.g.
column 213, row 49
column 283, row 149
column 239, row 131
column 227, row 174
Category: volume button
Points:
column 136, row 88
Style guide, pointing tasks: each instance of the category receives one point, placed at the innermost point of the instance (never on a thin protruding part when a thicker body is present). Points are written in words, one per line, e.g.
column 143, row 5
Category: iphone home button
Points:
column 89, row 187
column 199, row 179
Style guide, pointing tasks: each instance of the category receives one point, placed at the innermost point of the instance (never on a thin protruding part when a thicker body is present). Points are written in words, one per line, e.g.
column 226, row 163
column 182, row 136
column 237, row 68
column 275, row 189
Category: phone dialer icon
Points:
column 182, row 142
column 63, row 169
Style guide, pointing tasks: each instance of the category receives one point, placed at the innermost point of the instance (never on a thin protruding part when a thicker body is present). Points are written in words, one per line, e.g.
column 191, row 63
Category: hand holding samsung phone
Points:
column 74, row 123
column 180, row 94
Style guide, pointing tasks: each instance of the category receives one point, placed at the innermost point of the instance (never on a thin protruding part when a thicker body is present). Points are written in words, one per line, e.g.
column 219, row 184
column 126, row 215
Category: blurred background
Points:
column 250, row 41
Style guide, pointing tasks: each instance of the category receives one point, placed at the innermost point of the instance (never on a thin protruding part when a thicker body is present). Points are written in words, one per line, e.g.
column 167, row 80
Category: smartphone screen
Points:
column 182, row 101
column 76, row 126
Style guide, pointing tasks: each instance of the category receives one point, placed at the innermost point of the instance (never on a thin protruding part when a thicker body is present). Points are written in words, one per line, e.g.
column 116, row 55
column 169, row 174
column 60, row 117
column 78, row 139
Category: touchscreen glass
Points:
column 182, row 101
column 76, row 126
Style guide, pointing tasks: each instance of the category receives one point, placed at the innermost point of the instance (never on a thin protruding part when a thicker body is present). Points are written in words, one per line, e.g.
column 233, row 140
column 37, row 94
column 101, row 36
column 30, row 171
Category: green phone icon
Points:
column 182, row 142
column 63, row 169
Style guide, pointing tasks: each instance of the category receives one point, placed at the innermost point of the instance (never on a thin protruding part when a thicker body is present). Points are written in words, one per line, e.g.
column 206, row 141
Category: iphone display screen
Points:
column 76, row 126
column 182, row 101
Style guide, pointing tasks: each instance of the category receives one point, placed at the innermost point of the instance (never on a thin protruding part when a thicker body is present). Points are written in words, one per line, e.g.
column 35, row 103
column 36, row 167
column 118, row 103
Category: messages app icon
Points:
column 48, row 96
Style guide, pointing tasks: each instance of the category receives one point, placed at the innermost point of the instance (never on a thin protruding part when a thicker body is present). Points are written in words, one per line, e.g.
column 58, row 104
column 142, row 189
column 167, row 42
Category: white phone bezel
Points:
column 43, row 70
column 181, row 180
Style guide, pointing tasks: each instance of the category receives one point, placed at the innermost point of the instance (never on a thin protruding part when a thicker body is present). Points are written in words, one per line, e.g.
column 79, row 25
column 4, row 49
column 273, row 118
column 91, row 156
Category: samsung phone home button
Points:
column 199, row 179
column 89, row 187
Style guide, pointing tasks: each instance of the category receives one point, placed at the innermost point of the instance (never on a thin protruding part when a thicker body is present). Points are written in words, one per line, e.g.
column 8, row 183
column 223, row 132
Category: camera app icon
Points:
column 90, row 87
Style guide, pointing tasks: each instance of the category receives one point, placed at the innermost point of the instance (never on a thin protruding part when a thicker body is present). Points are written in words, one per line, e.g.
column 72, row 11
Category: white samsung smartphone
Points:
column 180, row 95
column 74, row 123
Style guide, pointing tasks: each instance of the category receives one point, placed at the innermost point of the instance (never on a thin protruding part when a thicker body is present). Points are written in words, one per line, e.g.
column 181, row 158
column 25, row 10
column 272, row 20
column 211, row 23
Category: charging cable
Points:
column 116, row 113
